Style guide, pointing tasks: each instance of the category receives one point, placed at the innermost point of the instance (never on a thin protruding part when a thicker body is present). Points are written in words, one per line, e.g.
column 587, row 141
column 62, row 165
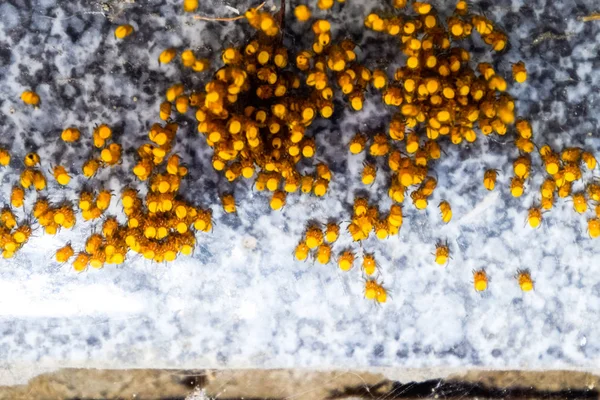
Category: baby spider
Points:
column 428, row 186
column 356, row 232
column 17, row 197
column 534, row 217
column 90, row 167
column 272, row 181
column 40, row 206
column 323, row 254
column 548, row 188
column 320, row 187
column 70, row 134
column 525, row 281
column 61, row 175
column 357, row 144
column 480, row 280
column 93, row 243
column 203, row 221
column 302, row 13
column 572, row 171
column 332, row 232
column 442, row 253
column 395, row 217
column 110, row 226
column 7, row 218
column 81, row 262
column 313, row 237
column 381, row 228
column 522, row 166
column 446, row 211
column 589, row 160
column 97, row 260
column 593, row 190
column 579, row 202
column 360, row 206
column 167, row 55
column 489, row 179
column 112, row 154
column 419, row 199
column 301, row 251
column 39, row 180
column 323, row 171
column 278, row 200
column 564, row 190
column 122, row 31
column 519, row 72
column 26, row 179
column 375, row 291
column 346, row 260
column 86, row 200
column 4, row 157
column 30, row 97
column 64, row 253
column 228, row 202
column 103, row 199
column 31, row 159
column 22, row 234
column 594, row 225
column 369, row 264
column 369, row 173
column 547, row 202
column 517, row 186
column 64, row 216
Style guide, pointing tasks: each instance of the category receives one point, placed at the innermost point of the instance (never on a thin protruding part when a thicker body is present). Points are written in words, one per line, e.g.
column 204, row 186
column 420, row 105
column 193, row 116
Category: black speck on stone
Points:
column 555, row 351
column 4, row 350
column 72, row 33
column 378, row 350
column 460, row 350
column 527, row 12
column 517, row 301
column 496, row 353
column 221, row 358
column 36, row 40
column 192, row 381
column 93, row 341
column 349, row 351
column 4, row 56
column 402, row 353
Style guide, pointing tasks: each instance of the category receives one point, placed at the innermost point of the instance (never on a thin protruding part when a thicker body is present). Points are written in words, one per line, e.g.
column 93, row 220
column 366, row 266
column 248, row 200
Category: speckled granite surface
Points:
column 242, row 301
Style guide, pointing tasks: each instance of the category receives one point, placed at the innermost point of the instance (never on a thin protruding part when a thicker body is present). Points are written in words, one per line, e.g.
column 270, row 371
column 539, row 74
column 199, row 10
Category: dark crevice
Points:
column 440, row 389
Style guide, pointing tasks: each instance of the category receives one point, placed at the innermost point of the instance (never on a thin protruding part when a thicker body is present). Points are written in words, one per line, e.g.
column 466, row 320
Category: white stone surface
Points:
column 238, row 305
